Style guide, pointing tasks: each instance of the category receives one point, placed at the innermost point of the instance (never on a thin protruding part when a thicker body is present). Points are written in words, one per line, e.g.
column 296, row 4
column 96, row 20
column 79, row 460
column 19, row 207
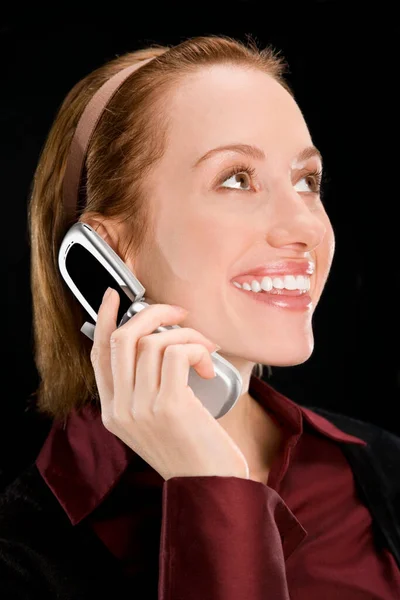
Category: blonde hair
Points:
column 129, row 139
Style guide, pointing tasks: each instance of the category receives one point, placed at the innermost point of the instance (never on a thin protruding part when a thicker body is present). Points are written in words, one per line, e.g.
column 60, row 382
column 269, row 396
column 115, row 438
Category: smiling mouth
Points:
column 276, row 292
column 286, row 300
column 288, row 285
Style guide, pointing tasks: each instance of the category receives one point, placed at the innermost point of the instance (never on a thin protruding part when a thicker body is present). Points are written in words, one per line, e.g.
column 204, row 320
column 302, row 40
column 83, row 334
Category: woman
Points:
column 202, row 175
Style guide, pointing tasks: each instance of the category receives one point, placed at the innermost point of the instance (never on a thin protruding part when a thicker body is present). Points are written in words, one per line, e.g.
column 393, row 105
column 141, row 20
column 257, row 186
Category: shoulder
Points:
column 27, row 518
column 369, row 432
column 27, row 497
column 382, row 450
column 41, row 550
column 31, row 520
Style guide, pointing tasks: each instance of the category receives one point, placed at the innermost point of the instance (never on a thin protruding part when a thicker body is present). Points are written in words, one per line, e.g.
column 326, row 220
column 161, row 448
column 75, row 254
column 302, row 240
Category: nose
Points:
column 295, row 224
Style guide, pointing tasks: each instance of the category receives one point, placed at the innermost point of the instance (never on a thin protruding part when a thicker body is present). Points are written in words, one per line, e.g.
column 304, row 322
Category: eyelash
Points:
column 244, row 168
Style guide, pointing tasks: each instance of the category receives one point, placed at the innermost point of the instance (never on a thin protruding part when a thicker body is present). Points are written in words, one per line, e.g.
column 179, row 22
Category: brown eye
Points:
column 239, row 175
column 238, row 179
column 313, row 181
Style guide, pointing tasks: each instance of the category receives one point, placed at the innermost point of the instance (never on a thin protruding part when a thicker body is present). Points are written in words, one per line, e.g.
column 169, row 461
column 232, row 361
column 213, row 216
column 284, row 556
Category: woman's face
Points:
column 212, row 226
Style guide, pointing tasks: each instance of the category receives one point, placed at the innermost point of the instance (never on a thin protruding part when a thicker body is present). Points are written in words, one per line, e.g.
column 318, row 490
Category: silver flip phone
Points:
column 89, row 265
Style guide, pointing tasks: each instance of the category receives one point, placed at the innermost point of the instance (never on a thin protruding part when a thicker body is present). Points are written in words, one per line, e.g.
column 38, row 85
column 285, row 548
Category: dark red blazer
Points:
column 303, row 534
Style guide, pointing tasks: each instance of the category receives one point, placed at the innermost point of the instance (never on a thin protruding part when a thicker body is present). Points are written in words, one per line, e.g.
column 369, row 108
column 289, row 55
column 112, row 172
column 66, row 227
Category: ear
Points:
column 104, row 227
column 110, row 230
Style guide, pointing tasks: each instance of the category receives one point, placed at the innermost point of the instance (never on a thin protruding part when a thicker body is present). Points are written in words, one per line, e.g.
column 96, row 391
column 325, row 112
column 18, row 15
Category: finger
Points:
column 150, row 354
column 177, row 360
column 100, row 354
column 123, row 349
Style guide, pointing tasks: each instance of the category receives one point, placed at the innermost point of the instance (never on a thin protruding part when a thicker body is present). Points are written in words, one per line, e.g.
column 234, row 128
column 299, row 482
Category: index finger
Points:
column 100, row 353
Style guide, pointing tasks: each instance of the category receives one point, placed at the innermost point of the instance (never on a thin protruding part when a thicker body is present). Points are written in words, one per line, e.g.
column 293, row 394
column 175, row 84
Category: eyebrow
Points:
column 256, row 152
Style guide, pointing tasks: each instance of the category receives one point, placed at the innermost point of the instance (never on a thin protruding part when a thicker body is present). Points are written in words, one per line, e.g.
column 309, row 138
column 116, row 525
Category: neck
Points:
column 255, row 433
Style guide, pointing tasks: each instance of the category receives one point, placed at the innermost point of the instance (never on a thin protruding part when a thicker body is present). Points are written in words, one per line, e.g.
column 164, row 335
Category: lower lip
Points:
column 280, row 300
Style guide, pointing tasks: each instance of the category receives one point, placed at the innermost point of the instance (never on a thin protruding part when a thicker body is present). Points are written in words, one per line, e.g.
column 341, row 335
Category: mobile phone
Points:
column 89, row 265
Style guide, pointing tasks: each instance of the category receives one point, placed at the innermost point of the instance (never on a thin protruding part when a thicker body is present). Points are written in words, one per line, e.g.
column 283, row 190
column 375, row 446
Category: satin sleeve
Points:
column 225, row 538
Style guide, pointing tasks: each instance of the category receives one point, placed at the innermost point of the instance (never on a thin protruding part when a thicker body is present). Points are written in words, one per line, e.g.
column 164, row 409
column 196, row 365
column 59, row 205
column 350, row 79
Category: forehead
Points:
column 237, row 103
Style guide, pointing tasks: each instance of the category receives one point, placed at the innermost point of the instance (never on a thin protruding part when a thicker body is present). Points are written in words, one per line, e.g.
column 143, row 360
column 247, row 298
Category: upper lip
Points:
column 282, row 267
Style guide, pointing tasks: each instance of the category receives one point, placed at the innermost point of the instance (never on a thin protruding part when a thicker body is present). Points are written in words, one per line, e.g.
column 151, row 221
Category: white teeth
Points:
column 301, row 281
column 277, row 282
column 266, row 284
column 288, row 282
column 255, row 286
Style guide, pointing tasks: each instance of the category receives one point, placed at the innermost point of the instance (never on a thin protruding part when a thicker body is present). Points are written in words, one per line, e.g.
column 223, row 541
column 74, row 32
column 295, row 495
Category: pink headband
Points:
column 83, row 134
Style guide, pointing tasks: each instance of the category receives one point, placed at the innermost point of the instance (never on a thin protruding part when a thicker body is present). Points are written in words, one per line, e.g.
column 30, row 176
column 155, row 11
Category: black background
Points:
column 344, row 74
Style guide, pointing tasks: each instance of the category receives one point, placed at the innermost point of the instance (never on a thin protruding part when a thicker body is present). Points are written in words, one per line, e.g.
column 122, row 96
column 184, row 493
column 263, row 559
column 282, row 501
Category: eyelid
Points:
column 317, row 172
column 309, row 171
column 234, row 170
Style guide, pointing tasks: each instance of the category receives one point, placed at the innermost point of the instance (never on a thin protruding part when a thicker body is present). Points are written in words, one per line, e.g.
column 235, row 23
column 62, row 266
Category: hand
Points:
column 142, row 378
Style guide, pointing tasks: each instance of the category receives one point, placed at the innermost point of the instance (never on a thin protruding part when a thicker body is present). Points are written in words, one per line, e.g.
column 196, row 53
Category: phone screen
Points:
column 92, row 279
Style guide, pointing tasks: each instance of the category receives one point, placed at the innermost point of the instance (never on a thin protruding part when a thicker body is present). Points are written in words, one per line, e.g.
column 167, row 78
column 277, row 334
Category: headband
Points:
column 83, row 134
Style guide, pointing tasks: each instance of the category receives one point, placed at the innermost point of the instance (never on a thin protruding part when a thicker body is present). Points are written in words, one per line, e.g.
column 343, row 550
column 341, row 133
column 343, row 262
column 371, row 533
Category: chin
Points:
column 288, row 356
column 288, row 362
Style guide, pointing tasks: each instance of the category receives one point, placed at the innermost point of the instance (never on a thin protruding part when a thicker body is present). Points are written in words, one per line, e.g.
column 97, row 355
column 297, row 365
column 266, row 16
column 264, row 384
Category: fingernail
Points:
column 182, row 310
column 107, row 293
column 217, row 348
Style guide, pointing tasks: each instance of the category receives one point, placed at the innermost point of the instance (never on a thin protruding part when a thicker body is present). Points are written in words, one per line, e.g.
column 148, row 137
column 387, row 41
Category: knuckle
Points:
column 117, row 337
column 144, row 342
column 192, row 333
column 140, row 414
column 94, row 354
column 166, row 410
column 174, row 350
column 119, row 416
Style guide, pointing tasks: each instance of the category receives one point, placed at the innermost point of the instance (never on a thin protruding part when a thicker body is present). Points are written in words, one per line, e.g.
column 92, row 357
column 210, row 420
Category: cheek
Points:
column 192, row 250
